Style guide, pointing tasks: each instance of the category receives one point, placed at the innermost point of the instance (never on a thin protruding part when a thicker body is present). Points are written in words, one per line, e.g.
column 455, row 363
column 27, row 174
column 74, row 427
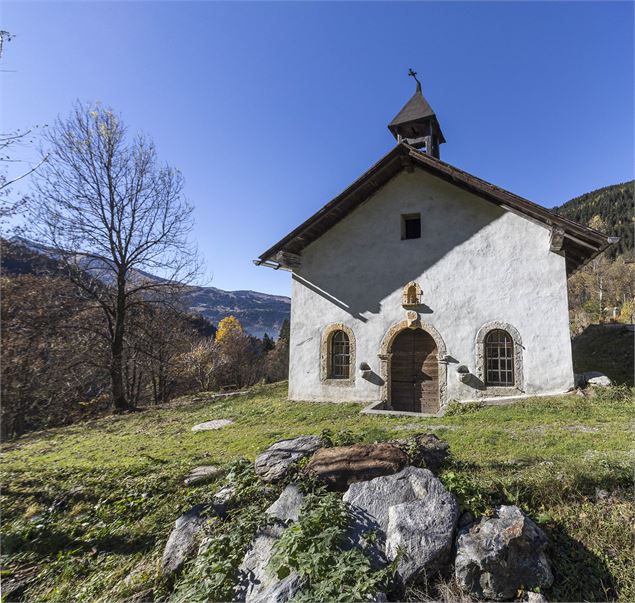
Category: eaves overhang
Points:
column 576, row 242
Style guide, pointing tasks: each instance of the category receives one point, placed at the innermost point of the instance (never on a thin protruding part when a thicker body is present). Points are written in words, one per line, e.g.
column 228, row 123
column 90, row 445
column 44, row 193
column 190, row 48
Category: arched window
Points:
column 499, row 359
column 340, row 356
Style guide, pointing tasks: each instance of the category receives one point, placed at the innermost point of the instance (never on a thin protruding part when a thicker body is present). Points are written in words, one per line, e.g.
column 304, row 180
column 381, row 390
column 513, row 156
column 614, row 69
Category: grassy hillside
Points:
column 87, row 508
column 614, row 204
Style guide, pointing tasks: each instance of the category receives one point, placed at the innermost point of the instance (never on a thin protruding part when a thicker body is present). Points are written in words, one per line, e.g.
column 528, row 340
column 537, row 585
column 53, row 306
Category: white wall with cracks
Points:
column 476, row 263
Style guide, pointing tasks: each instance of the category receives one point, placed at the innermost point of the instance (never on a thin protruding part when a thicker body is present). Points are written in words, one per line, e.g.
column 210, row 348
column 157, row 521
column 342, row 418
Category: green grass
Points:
column 87, row 508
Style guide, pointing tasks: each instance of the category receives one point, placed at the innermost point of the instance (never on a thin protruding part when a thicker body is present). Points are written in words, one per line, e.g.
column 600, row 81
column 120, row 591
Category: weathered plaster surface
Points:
column 475, row 263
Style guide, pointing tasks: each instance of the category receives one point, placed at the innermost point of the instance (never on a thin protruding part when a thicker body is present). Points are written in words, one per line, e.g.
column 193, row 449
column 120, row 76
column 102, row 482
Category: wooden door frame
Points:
column 385, row 357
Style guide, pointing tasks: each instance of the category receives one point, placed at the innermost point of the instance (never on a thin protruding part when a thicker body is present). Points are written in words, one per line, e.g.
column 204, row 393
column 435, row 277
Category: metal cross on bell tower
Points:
column 416, row 124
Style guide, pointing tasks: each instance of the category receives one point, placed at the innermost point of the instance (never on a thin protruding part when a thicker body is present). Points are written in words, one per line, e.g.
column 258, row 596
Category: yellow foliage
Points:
column 627, row 312
column 597, row 223
column 227, row 327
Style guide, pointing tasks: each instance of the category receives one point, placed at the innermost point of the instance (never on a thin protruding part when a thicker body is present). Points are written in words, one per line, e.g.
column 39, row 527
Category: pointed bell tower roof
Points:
column 416, row 121
column 416, row 108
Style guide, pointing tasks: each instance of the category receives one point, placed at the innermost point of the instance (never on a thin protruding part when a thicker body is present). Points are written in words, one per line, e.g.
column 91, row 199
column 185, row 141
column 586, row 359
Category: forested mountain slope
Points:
column 614, row 204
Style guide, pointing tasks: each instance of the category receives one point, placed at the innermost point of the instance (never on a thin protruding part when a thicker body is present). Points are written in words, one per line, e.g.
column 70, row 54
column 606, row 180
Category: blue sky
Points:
column 271, row 109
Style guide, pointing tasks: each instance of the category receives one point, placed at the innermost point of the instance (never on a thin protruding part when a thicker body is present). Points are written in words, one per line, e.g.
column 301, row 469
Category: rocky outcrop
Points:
column 256, row 579
column 203, row 474
column 183, row 540
column 424, row 531
column 222, row 500
column 276, row 462
column 592, row 378
column 425, row 450
column 287, row 507
column 397, row 512
column 496, row 556
column 409, row 511
column 258, row 582
column 343, row 465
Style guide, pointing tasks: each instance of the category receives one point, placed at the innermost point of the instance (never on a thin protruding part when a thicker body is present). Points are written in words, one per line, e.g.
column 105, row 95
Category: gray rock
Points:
column 203, row 474
column 222, row 499
column 598, row 379
column 424, row 531
column 210, row 425
column 182, row 541
column 275, row 462
column 496, row 556
column 535, row 598
column 410, row 509
column 591, row 378
column 287, row 507
column 280, row 591
column 257, row 582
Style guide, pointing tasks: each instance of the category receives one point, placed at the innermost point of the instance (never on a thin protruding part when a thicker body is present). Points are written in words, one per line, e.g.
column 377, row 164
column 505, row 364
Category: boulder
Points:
column 598, row 379
column 424, row 531
column 409, row 511
column 496, row 556
column 591, row 378
column 287, row 507
column 275, row 462
column 425, row 450
column 535, row 598
column 182, row 542
column 222, row 499
column 203, row 474
column 341, row 466
column 257, row 582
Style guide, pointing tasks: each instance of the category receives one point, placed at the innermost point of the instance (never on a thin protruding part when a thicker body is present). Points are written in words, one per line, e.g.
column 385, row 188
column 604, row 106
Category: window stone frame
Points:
column 325, row 355
column 480, row 368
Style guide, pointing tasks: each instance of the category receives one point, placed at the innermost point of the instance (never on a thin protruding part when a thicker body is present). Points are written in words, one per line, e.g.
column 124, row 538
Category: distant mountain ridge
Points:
column 614, row 204
column 259, row 313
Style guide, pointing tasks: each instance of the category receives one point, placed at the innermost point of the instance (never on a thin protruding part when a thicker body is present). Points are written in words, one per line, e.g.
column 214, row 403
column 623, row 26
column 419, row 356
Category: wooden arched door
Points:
column 414, row 372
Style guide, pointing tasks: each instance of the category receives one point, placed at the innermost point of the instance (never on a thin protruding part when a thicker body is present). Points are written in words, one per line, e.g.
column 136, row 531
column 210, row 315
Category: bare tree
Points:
column 112, row 214
column 10, row 143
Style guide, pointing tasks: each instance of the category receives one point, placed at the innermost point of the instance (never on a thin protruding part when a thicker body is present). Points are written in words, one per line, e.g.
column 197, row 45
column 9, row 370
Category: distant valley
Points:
column 259, row 313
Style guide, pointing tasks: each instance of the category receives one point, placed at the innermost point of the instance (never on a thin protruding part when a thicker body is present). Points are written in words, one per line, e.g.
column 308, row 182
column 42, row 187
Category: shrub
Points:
column 314, row 548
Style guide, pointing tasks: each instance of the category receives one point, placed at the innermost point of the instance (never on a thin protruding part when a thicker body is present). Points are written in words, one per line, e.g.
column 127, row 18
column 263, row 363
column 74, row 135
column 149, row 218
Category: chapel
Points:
column 421, row 284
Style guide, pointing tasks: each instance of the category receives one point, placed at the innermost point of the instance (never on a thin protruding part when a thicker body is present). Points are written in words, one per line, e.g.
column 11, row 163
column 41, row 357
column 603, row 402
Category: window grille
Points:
column 340, row 356
column 499, row 359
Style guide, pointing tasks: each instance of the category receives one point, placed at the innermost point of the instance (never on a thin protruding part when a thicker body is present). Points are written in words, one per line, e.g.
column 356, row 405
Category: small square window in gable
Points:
column 410, row 226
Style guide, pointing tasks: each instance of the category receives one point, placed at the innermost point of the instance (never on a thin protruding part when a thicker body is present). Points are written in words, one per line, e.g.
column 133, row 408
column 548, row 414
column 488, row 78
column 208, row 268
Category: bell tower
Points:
column 416, row 124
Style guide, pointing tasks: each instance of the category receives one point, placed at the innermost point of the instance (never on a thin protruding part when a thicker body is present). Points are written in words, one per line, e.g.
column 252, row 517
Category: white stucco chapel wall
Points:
column 475, row 262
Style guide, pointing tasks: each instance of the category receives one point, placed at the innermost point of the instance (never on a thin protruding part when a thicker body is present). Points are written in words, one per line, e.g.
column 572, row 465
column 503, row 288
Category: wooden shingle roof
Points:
column 576, row 242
